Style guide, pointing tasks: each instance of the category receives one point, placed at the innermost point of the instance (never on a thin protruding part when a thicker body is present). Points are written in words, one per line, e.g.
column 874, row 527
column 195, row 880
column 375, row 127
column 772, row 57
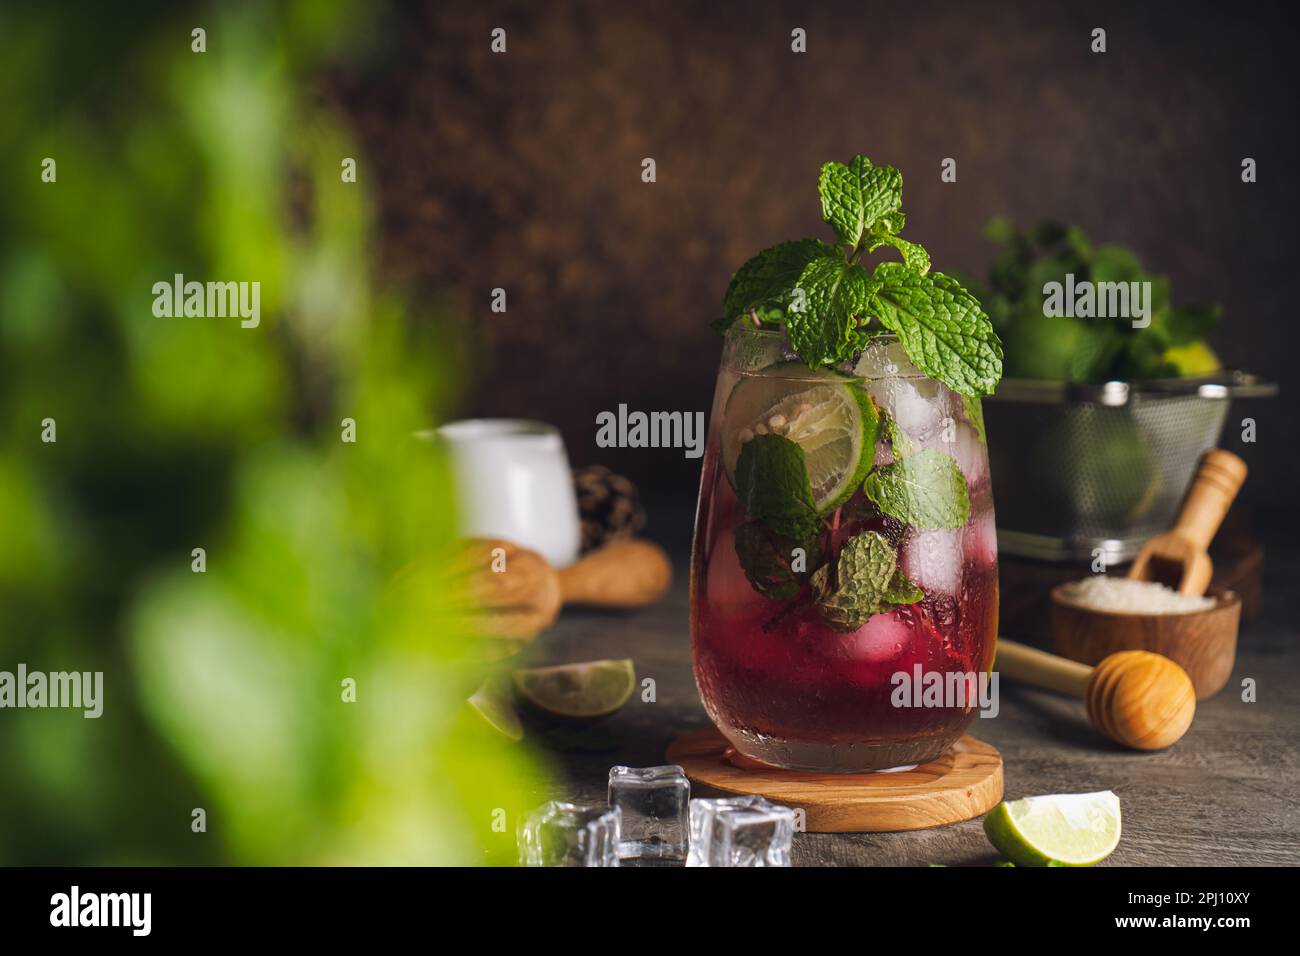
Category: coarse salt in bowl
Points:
column 1122, row 595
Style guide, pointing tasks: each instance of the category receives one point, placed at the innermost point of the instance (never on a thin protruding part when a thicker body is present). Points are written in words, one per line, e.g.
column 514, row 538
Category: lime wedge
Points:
column 577, row 691
column 492, row 703
column 1078, row 829
column 823, row 412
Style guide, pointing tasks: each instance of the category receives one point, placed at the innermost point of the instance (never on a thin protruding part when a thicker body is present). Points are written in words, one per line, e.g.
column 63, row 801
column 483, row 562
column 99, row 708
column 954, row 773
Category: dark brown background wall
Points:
column 523, row 171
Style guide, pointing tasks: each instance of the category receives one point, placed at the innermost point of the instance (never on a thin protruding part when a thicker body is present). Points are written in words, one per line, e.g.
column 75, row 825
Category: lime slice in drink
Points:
column 823, row 412
column 492, row 703
column 577, row 691
column 1077, row 829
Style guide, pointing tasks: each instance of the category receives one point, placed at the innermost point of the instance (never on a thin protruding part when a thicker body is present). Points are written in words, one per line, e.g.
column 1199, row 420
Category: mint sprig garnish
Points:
column 926, row 490
column 833, row 305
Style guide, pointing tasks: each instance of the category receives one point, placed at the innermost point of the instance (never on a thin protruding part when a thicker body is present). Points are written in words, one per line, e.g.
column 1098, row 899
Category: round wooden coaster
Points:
column 963, row 783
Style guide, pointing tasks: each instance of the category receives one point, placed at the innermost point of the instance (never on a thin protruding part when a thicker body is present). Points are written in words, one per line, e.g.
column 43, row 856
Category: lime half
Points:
column 577, row 691
column 1078, row 829
column 492, row 703
column 823, row 412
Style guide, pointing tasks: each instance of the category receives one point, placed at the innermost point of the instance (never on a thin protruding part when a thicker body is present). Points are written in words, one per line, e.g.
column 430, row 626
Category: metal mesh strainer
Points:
column 1081, row 467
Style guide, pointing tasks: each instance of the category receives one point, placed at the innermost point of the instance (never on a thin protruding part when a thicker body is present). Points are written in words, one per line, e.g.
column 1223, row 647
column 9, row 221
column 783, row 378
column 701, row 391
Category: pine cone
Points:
column 608, row 505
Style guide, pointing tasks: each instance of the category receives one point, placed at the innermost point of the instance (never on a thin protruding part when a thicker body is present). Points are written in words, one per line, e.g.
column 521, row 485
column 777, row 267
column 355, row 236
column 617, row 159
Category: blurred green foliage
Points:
column 1063, row 348
column 223, row 690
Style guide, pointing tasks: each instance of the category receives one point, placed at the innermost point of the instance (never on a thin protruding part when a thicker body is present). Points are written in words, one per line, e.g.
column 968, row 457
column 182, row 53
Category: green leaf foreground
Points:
column 833, row 300
column 925, row 490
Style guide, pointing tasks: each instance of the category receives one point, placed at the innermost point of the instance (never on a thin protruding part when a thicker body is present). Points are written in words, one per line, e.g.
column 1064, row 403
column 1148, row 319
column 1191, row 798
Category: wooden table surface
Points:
column 1227, row 794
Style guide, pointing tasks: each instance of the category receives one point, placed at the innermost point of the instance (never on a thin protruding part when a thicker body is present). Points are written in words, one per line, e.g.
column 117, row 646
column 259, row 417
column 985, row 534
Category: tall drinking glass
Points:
column 821, row 608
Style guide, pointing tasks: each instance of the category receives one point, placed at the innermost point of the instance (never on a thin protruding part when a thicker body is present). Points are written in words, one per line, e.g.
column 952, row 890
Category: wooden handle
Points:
column 626, row 573
column 1032, row 666
column 1218, row 478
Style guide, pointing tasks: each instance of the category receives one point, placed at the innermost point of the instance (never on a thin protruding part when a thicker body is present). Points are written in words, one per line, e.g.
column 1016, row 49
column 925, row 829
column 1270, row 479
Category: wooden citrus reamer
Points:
column 1136, row 698
column 524, row 595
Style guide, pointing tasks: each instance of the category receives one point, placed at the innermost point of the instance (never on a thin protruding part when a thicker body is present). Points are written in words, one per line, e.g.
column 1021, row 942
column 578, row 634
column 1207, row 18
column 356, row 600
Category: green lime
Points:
column 826, row 414
column 1073, row 829
column 577, row 691
column 1193, row 359
column 1056, row 348
column 492, row 703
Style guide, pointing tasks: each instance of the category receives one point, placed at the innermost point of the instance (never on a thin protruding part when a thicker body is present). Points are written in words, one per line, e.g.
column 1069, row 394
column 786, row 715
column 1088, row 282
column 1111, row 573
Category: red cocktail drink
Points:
column 809, row 601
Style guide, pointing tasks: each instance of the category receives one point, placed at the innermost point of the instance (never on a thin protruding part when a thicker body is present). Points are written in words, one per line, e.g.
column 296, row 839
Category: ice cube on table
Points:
column 740, row 831
column 565, row 834
column 653, row 803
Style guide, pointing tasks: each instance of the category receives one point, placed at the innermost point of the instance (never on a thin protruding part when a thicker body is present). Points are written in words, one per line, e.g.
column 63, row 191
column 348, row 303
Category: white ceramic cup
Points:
column 513, row 482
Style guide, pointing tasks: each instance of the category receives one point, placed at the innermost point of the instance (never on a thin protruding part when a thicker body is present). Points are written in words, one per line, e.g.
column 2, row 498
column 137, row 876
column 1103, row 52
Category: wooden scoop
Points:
column 1177, row 558
column 1136, row 698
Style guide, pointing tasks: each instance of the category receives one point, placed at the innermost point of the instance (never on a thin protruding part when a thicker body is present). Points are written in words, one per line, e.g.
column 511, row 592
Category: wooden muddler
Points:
column 1136, row 698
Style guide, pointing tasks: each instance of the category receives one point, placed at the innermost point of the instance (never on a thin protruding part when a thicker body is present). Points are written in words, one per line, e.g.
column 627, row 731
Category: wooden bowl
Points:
column 1203, row 643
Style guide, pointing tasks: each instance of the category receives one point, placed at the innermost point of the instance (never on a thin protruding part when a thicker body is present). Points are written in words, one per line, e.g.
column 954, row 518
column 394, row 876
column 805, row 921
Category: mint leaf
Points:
column 772, row 485
column 901, row 590
column 769, row 276
column 768, row 558
column 914, row 255
column 824, row 305
column 856, row 195
column 900, row 442
column 941, row 326
column 891, row 223
column 863, row 573
column 925, row 490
